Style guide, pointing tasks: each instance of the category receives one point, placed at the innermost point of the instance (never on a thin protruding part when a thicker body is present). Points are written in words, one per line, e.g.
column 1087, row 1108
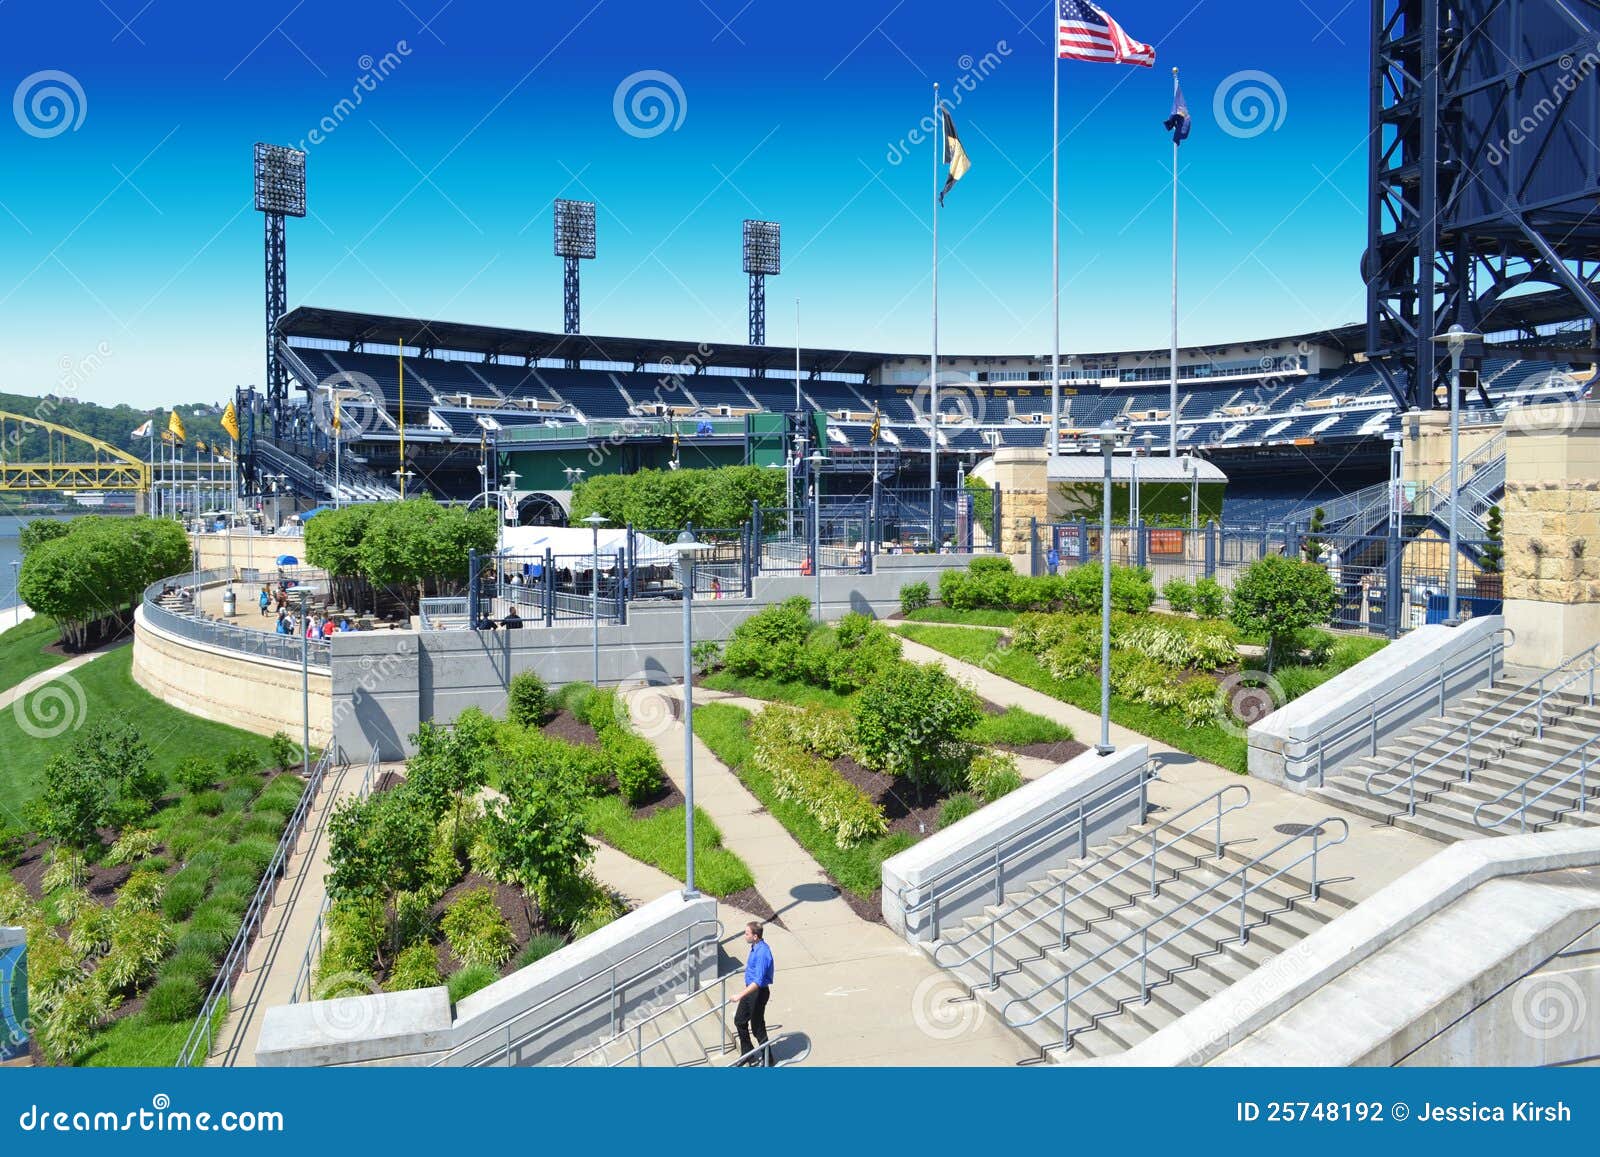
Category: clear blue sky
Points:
column 130, row 256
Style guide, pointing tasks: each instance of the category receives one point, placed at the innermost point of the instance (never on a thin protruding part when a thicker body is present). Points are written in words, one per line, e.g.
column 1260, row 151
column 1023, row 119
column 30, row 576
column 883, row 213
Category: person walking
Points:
column 265, row 601
column 751, row 1014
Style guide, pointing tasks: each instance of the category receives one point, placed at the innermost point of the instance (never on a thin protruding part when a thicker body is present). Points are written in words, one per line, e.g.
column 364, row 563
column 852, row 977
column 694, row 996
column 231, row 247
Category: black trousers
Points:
column 751, row 1015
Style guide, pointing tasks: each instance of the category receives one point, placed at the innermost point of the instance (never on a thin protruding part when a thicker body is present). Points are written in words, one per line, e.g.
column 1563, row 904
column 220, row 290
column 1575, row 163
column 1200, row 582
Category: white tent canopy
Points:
column 533, row 541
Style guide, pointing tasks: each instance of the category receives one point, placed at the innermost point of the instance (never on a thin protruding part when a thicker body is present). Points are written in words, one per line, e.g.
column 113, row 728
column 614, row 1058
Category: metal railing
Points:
column 1433, row 685
column 306, row 976
column 223, row 634
column 1041, row 831
column 1059, row 907
column 1491, row 729
column 197, row 1045
column 1585, row 753
column 529, row 1023
column 640, row 1047
column 1140, row 956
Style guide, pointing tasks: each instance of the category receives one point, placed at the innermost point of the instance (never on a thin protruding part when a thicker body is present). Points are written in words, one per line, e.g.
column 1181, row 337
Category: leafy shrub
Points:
column 1210, row 599
column 957, row 808
column 67, row 869
column 15, row 907
column 707, row 656
column 476, row 931
column 1279, row 598
column 283, row 750
column 1189, row 645
column 540, row 946
column 196, row 966
column 132, row 846
column 139, row 940
column 66, row 1024
column 527, row 699
column 12, row 845
column 911, row 719
column 634, row 762
column 195, row 773
column 470, row 979
column 768, row 644
column 236, row 799
column 1179, row 594
column 354, row 938
column 91, row 931
column 840, row 808
column 240, row 761
column 416, row 967
column 141, row 892
column 413, row 919
column 992, row 775
column 173, row 1000
column 864, row 649
column 1132, row 591
column 600, row 908
column 914, row 596
column 825, row 731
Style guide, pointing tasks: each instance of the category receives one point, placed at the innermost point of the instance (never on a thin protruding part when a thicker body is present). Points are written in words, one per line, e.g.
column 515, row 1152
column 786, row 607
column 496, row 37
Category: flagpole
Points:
column 1055, row 240
column 1172, row 414
column 401, row 359
column 933, row 397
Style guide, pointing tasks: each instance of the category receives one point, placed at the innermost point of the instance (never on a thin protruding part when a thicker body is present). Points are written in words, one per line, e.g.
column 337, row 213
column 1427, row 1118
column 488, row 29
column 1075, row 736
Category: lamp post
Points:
column 1108, row 449
column 302, row 595
column 400, row 477
column 1133, row 491
column 16, row 589
column 595, row 522
column 1456, row 338
column 1396, row 440
column 483, row 483
column 687, row 548
column 1191, row 467
column 816, row 461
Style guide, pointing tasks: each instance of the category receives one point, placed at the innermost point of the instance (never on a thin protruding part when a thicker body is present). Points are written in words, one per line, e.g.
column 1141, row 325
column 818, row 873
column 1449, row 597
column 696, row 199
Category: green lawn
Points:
column 1018, row 728
column 22, row 650
column 107, row 686
column 658, row 839
column 976, row 618
column 773, row 690
column 724, row 729
column 1209, row 742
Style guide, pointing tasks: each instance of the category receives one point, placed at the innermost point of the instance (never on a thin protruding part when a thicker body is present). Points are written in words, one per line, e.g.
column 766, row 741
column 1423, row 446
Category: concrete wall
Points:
column 1278, row 750
column 13, row 996
column 247, row 691
column 420, row 1027
column 1469, row 958
column 955, row 869
column 249, row 551
column 385, row 683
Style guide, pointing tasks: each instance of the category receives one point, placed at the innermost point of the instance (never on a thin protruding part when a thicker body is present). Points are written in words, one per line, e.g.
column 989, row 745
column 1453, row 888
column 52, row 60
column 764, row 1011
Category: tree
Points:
column 451, row 764
column 378, row 846
column 1312, row 547
column 40, row 530
column 910, row 720
column 1492, row 559
column 73, row 804
column 669, row 500
column 333, row 542
column 535, row 838
column 1280, row 597
column 418, row 544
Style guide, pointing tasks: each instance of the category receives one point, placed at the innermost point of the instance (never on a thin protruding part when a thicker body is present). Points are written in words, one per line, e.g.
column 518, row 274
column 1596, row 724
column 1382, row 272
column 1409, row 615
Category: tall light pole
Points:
column 1108, row 449
column 302, row 595
column 595, row 522
column 1134, row 506
column 1192, row 467
column 1456, row 338
column 483, row 483
column 687, row 548
column 816, row 461
column 1396, row 440
column 16, row 589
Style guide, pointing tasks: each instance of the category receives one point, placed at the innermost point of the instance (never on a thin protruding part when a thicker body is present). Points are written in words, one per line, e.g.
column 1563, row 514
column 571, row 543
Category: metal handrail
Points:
column 222, row 634
column 203, row 1030
column 1052, row 825
column 1157, row 846
column 308, row 963
column 637, row 1055
column 1536, row 705
column 1427, row 684
column 610, row 995
column 1142, row 958
column 1581, row 774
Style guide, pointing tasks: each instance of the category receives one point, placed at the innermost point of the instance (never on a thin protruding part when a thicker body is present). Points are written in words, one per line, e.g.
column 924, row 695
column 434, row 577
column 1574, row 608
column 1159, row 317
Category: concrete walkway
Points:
column 33, row 682
column 862, row 995
column 1374, row 854
column 275, row 958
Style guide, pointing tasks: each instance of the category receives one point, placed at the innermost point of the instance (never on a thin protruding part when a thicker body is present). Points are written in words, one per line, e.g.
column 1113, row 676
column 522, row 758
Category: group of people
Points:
column 511, row 622
column 313, row 626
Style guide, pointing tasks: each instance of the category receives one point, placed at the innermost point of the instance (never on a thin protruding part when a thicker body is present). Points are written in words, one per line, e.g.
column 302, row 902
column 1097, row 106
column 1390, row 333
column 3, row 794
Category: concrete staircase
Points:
column 1112, row 901
column 1506, row 752
column 695, row 1031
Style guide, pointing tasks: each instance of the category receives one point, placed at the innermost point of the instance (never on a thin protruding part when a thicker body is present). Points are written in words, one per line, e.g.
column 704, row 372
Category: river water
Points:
column 10, row 526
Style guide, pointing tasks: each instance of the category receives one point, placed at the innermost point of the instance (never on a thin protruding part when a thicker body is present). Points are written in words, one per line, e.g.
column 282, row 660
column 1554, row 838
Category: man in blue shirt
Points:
column 752, row 1011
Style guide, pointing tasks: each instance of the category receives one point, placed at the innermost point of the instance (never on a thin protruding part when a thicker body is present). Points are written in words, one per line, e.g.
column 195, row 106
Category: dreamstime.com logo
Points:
column 52, row 710
column 359, row 409
column 160, row 1117
column 960, row 403
column 49, row 103
column 1549, row 1006
column 1250, row 103
column 649, row 103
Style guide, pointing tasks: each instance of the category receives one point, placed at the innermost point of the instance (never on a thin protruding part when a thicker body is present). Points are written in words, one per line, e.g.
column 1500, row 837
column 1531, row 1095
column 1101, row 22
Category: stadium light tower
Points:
column 574, row 243
column 763, row 258
column 280, row 193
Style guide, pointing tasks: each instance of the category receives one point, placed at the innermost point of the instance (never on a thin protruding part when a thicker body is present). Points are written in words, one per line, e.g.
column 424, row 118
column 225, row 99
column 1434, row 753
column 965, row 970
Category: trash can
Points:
column 230, row 603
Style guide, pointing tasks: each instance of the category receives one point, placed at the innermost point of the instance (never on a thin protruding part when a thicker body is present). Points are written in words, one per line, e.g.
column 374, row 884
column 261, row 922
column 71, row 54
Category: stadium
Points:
column 1182, row 706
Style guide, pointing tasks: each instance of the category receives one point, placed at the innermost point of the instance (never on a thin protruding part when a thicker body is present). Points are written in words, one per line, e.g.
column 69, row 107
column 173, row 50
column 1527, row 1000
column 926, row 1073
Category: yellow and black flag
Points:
column 175, row 427
column 954, row 155
column 877, row 425
column 230, row 422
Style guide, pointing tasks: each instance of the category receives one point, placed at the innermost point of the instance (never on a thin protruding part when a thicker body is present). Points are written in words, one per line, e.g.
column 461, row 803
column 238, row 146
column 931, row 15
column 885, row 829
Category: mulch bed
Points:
column 1058, row 752
column 751, row 901
column 507, row 898
column 666, row 797
column 567, row 726
column 388, row 781
column 908, row 809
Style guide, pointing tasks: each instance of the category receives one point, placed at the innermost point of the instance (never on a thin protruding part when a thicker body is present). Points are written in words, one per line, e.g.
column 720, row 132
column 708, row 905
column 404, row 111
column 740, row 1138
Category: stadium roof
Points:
column 428, row 336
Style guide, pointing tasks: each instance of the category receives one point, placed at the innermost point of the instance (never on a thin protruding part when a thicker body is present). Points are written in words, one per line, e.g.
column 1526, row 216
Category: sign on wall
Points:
column 1166, row 542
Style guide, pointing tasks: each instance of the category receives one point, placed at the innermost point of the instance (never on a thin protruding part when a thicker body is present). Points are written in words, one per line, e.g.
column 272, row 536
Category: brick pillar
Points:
column 1019, row 472
column 1551, row 517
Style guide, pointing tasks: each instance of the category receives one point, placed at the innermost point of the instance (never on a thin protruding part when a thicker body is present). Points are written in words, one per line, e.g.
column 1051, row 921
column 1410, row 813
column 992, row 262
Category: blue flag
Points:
column 1178, row 123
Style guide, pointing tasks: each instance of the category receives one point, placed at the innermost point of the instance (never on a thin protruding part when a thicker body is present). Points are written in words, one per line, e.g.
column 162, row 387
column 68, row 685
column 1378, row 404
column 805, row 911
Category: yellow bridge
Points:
column 73, row 460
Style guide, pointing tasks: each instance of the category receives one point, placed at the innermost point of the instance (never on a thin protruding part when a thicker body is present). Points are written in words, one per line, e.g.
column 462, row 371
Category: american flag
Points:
column 1087, row 33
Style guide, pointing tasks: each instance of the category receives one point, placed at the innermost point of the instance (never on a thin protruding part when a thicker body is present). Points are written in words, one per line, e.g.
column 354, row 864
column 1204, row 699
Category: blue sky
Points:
column 130, row 256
